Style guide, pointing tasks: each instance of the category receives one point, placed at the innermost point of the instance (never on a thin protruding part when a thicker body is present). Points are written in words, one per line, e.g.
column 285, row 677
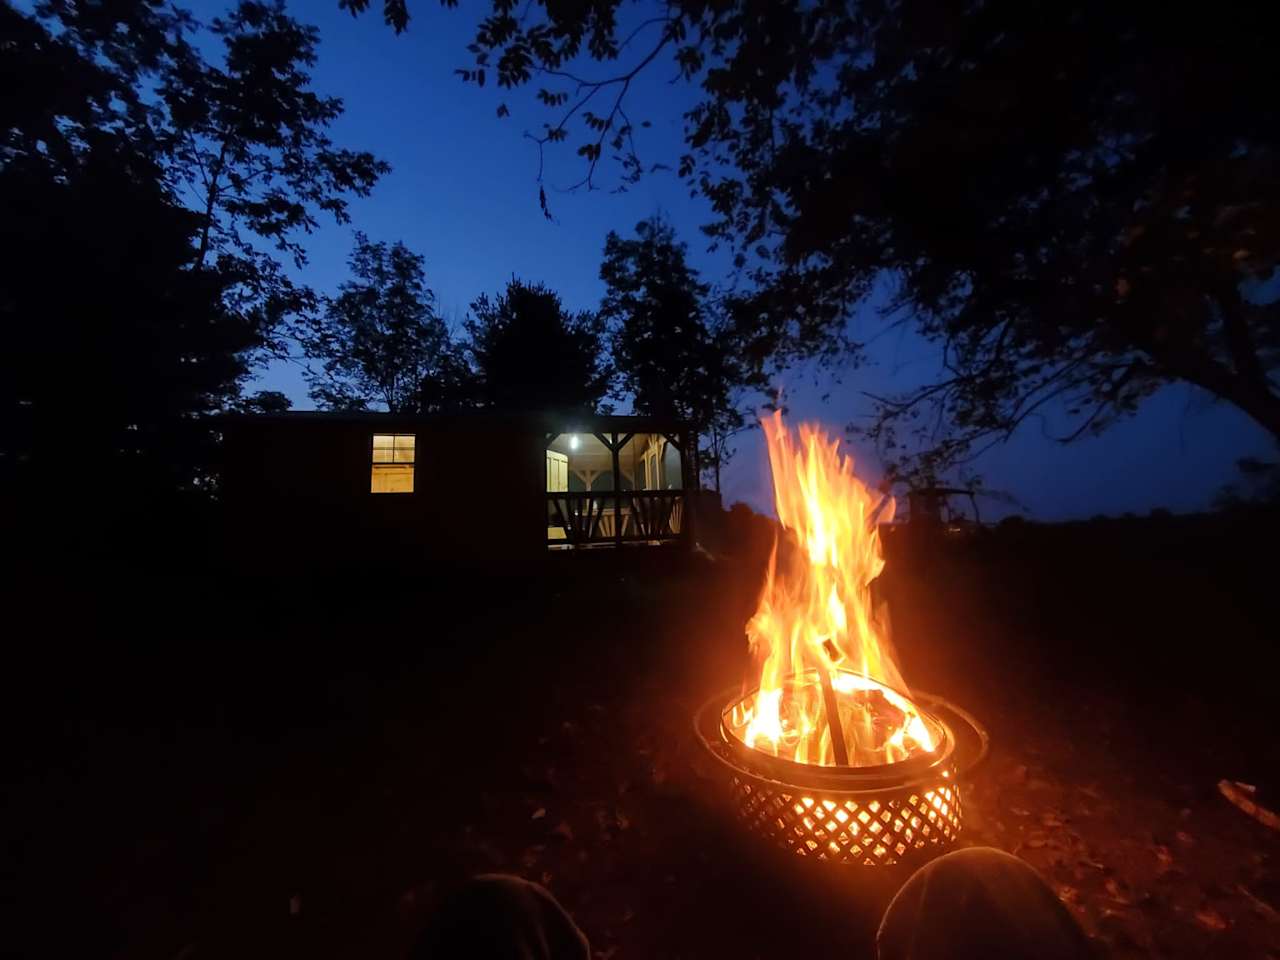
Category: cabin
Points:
column 312, row 489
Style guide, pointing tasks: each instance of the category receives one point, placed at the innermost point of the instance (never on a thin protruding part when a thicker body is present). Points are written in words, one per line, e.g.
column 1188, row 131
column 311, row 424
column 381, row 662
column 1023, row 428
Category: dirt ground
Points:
column 208, row 768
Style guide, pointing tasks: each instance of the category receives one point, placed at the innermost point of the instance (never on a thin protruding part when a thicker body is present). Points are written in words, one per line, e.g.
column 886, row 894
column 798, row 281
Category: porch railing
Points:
column 607, row 517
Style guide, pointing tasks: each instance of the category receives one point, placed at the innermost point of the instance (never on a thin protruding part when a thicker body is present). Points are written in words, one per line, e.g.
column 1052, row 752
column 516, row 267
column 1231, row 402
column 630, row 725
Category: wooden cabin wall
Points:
column 297, row 496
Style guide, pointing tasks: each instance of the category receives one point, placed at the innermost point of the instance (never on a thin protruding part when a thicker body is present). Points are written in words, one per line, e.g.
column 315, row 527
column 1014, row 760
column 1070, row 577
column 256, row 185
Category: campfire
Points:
column 829, row 753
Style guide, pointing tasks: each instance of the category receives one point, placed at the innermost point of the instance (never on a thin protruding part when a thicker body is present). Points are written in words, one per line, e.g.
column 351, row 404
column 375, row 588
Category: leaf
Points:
column 503, row 111
column 1211, row 919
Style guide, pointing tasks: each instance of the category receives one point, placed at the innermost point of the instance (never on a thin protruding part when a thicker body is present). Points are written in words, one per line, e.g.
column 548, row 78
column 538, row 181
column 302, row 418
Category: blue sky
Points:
column 463, row 194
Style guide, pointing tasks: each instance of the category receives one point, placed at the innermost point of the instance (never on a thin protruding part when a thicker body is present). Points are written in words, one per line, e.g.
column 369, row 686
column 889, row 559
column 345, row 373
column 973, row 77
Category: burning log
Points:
column 861, row 812
column 828, row 753
column 835, row 725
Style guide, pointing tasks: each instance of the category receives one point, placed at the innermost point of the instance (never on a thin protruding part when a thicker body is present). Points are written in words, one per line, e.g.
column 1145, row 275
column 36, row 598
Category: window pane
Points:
column 672, row 474
column 404, row 448
column 387, row 478
column 640, row 460
column 383, row 447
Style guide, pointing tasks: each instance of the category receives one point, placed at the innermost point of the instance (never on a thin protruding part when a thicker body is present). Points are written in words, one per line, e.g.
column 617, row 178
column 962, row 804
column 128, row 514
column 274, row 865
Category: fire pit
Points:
column 874, row 815
column 827, row 754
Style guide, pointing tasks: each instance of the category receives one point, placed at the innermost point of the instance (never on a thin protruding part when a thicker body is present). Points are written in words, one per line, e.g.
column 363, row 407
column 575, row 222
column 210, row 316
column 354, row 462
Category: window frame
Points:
column 374, row 463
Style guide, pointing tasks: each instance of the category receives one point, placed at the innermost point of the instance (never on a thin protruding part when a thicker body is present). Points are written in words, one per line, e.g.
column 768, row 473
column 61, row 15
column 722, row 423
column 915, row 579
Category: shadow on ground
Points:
column 251, row 768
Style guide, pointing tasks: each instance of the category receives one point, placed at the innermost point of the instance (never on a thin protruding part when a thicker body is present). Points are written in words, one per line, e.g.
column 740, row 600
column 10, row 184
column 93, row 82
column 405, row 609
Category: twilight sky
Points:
column 463, row 194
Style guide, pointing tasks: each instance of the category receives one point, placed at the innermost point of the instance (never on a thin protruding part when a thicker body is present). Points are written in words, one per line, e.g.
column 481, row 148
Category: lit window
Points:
column 393, row 458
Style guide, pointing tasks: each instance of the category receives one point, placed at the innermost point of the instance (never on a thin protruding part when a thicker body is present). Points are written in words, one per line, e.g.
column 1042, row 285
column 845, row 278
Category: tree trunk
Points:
column 1244, row 384
column 1262, row 405
column 210, row 204
column 1259, row 403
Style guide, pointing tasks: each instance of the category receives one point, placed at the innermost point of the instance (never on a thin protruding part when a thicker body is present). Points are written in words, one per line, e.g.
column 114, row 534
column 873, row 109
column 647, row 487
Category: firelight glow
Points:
column 815, row 620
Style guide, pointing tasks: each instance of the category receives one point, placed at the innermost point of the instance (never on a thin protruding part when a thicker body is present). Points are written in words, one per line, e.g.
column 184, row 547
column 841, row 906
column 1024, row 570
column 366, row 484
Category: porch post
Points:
column 617, row 492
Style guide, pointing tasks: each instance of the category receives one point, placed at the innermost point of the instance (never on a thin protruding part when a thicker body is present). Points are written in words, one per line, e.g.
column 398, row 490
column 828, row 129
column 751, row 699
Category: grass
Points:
column 215, row 766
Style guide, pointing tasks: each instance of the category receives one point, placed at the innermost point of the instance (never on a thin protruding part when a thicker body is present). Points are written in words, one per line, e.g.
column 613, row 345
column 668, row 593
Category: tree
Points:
column 134, row 309
column 530, row 353
column 380, row 338
column 1068, row 196
column 117, row 351
column 672, row 359
column 118, row 347
column 243, row 140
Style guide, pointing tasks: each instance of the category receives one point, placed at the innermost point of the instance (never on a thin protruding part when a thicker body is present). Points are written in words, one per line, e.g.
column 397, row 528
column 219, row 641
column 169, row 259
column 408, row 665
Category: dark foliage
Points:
column 116, row 348
column 530, row 353
column 673, row 357
column 135, row 179
column 380, row 339
column 117, row 344
column 1068, row 196
column 242, row 138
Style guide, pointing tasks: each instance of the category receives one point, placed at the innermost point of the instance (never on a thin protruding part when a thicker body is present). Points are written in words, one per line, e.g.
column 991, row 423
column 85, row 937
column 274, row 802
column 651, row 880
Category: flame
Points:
column 816, row 626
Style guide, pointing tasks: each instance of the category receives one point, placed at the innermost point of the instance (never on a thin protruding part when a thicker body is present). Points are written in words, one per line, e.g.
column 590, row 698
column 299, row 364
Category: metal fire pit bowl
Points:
column 895, row 813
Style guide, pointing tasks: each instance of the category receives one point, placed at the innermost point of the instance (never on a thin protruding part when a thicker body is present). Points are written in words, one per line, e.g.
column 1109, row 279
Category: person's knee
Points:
column 979, row 902
column 500, row 917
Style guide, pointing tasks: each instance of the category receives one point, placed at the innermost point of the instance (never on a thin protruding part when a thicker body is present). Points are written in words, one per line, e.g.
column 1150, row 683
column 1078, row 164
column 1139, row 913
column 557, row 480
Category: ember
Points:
column 829, row 753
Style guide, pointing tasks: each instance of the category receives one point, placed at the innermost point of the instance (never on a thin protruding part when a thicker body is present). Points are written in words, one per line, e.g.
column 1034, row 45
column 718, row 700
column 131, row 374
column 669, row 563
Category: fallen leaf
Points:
column 1163, row 855
column 1019, row 812
column 539, row 813
column 564, row 830
column 1185, row 837
column 1211, row 919
column 1068, row 894
column 1115, row 893
column 1052, row 820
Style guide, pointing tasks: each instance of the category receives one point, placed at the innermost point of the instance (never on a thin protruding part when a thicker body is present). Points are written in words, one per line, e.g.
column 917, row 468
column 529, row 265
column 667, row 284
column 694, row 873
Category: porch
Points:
column 606, row 488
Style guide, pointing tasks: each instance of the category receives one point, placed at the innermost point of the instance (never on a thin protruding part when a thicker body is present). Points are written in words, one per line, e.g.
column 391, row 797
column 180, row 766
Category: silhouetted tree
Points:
column 262, row 401
column 531, row 354
column 117, row 345
column 451, row 385
column 1068, row 196
column 132, row 312
column 380, row 338
column 241, row 136
column 673, row 358
column 116, row 350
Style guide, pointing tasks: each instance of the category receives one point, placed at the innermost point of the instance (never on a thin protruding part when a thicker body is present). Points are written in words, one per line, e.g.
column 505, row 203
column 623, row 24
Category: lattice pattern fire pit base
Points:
column 850, row 828
column 882, row 816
